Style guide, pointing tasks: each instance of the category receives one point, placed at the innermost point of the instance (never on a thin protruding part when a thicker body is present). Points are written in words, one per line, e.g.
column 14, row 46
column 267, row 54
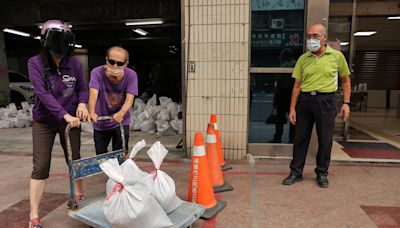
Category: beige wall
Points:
column 216, row 39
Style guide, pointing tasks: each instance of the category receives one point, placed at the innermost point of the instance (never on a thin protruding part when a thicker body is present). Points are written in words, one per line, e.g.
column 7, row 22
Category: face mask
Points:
column 115, row 71
column 313, row 45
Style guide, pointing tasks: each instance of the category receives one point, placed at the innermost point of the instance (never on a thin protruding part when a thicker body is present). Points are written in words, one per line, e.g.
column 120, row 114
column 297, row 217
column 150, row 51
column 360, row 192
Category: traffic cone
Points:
column 200, row 185
column 224, row 165
column 212, row 155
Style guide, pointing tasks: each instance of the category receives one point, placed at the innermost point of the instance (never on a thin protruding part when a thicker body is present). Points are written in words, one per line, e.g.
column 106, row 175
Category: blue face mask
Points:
column 313, row 45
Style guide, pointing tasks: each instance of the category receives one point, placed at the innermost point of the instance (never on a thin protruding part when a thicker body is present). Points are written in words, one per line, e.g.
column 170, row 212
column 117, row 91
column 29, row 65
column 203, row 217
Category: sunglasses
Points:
column 113, row 62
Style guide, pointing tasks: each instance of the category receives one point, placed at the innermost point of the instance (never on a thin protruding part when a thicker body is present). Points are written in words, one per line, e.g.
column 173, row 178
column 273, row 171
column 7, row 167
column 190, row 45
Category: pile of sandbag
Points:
column 136, row 198
column 10, row 117
column 151, row 118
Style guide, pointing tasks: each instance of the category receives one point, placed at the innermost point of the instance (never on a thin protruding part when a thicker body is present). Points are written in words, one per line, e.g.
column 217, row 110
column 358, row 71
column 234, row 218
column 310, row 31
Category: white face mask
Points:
column 313, row 45
column 115, row 71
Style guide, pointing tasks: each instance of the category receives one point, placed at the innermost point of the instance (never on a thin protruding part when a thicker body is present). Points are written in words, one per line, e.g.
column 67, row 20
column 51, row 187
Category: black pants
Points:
column 103, row 138
column 43, row 136
column 320, row 109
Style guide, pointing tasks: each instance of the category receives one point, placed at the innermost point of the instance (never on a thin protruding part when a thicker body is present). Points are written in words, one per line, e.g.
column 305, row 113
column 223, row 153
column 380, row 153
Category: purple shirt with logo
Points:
column 67, row 88
column 112, row 96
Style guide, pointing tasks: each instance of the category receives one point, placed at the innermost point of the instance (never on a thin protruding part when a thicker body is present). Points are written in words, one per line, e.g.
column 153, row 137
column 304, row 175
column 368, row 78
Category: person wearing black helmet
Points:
column 61, row 97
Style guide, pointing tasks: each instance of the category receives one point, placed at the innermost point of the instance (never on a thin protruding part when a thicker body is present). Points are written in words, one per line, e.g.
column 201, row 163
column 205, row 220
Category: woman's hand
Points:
column 82, row 112
column 292, row 116
column 72, row 120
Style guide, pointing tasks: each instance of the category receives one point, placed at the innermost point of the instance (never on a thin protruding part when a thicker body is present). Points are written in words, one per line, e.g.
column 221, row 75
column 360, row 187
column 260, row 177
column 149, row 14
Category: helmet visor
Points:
column 60, row 42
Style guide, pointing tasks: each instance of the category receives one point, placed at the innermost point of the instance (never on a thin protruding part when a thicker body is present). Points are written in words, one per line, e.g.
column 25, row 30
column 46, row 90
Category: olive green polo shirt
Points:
column 321, row 73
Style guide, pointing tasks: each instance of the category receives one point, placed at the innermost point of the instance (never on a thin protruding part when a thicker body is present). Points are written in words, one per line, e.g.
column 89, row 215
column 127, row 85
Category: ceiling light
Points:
column 16, row 32
column 394, row 18
column 365, row 33
column 140, row 31
column 344, row 43
column 150, row 21
column 37, row 37
column 78, row 46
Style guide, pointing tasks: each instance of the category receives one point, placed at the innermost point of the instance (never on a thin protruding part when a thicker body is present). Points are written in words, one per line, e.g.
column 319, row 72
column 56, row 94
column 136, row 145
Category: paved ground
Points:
column 360, row 195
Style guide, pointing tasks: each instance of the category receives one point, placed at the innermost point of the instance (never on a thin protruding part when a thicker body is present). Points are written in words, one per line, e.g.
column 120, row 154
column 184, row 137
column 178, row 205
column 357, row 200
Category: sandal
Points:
column 35, row 223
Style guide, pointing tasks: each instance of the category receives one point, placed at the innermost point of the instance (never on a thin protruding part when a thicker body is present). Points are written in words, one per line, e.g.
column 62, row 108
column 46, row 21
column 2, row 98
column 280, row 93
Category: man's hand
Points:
column 82, row 112
column 345, row 112
column 292, row 116
column 92, row 117
column 118, row 117
column 72, row 120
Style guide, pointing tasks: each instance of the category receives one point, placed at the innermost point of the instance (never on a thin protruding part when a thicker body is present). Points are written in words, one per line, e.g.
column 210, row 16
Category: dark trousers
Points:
column 102, row 139
column 43, row 136
column 320, row 109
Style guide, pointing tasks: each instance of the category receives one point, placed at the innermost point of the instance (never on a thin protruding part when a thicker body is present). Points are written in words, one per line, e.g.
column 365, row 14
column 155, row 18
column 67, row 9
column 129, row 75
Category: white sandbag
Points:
column 164, row 128
column 164, row 185
column 173, row 110
column 12, row 107
column 5, row 123
column 155, row 111
column 148, row 126
column 131, row 171
column 164, row 101
column 135, row 123
column 25, row 105
column 163, row 115
column 177, row 125
column 152, row 101
column 139, row 105
column 130, row 205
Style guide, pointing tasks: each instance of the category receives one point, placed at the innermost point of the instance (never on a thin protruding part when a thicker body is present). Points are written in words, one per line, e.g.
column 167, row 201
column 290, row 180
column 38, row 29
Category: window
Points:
column 16, row 77
column 277, row 25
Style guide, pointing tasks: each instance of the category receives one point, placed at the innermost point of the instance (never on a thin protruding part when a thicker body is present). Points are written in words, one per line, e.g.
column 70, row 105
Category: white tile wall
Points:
column 219, row 46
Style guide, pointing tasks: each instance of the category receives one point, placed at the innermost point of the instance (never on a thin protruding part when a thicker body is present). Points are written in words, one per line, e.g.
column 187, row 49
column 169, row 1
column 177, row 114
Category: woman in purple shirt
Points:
column 61, row 97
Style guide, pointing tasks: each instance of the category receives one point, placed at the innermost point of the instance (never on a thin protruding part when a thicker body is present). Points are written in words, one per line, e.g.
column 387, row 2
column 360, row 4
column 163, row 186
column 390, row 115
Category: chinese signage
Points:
column 269, row 5
column 281, row 39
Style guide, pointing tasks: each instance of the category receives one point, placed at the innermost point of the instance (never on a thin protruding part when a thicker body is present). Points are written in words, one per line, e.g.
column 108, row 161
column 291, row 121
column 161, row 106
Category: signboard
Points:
column 269, row 5
column 276, row 39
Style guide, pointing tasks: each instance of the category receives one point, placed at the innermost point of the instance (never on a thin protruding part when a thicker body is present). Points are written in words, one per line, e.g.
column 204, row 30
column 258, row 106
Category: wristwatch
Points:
column 348, row 103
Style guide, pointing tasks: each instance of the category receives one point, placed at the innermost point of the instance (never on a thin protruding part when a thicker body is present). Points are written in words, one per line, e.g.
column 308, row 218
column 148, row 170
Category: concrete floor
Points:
column 362, row 193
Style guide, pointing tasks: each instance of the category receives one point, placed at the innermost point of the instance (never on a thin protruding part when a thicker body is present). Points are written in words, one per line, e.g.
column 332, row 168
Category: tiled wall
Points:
column 217, row 40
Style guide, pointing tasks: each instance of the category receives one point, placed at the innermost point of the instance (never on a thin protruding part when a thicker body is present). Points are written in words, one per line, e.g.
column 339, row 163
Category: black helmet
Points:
column 58, row 37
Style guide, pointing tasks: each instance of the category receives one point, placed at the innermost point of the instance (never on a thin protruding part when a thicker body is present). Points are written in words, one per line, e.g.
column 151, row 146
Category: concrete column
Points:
column 4, row 83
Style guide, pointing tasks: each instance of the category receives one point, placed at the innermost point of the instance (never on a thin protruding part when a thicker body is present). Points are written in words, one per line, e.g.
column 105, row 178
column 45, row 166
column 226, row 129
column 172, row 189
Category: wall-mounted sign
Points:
column 281, row 39
column 259, row 5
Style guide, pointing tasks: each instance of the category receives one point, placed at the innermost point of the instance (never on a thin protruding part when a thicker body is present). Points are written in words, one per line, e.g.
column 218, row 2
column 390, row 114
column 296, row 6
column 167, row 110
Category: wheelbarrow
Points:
column 90, row 210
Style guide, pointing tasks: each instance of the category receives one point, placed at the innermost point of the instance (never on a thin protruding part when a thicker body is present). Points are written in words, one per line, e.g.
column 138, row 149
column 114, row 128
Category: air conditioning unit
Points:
column 277, row 23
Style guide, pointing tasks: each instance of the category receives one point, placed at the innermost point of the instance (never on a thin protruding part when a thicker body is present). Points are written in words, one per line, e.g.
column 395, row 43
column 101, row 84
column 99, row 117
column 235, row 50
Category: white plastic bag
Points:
column 152, row 101
column 177, row 125
column 173, row 109
column 164, row 101
column 163, row 115
column 131, row 171
column 130, row 205
column 148, row 126
column 164, row 128
column 164, row 185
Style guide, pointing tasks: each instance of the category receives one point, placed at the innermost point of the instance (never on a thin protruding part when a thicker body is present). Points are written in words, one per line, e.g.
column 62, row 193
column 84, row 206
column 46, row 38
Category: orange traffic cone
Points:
column 212, row 155
column 200, row 185
column 213, row 121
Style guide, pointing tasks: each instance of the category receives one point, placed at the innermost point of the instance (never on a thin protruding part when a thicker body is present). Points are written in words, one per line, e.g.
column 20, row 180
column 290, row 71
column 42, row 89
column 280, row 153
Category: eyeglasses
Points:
column 113, row 62
column 314, row 36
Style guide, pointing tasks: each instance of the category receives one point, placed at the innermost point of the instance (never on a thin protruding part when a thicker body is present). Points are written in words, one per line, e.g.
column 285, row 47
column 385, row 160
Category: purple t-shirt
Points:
column 112, row 96
column 67, row 88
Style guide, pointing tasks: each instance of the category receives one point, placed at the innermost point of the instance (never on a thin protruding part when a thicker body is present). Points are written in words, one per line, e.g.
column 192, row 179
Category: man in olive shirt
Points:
column 314, row 101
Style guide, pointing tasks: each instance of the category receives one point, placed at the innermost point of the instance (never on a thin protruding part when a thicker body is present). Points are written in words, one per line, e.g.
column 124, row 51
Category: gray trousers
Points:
column 320, row 109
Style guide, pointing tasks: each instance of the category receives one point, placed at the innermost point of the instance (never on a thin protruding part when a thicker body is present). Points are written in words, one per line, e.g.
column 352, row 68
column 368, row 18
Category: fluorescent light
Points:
column 365, row 33
column 37, row 37
column 394, row 18
column 140, row 31
column 78, row 46
column 16, row 32
column 344, row 43
column 150, row 21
